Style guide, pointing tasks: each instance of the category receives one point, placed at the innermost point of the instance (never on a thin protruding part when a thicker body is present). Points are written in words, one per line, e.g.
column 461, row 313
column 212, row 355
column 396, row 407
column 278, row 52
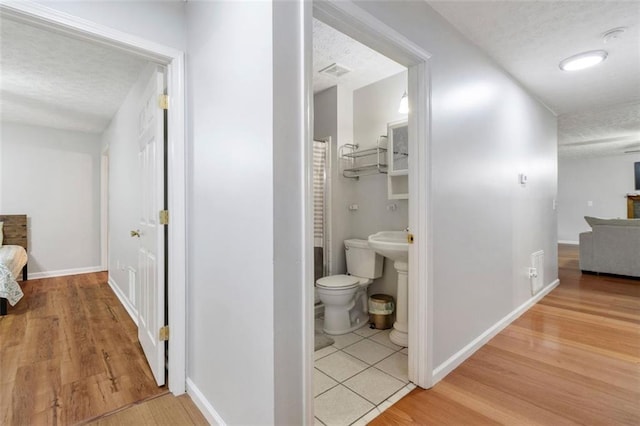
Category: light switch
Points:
column 589, row 203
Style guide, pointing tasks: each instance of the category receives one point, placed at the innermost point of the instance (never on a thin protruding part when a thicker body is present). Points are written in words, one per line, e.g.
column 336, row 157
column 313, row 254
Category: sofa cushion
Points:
column 592, row 221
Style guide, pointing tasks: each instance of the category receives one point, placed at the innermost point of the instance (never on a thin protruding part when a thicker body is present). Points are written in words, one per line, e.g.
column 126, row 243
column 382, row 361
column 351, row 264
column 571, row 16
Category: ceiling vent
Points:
column 335, row 70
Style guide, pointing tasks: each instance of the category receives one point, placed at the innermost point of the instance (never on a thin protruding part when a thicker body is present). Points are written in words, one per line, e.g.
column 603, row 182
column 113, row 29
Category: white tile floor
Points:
column 357, row 378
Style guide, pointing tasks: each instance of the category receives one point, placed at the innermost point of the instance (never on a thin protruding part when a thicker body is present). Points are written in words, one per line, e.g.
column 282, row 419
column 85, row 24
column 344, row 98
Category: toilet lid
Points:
column 338, row 281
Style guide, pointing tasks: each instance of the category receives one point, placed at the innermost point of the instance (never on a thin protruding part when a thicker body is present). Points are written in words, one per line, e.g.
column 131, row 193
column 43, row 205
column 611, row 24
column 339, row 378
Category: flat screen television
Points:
column 637, row 169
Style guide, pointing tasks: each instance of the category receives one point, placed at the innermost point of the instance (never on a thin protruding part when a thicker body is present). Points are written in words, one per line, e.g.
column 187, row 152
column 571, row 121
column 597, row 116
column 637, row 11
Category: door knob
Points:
column 135, row 233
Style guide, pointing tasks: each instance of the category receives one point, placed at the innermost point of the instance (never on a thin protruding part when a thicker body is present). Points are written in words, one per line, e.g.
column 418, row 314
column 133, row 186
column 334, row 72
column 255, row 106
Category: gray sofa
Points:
column 612, row 247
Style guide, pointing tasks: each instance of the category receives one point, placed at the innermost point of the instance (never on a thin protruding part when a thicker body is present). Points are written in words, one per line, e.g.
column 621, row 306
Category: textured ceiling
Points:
column 53, row 80
column 367, row 66
column 597, row 107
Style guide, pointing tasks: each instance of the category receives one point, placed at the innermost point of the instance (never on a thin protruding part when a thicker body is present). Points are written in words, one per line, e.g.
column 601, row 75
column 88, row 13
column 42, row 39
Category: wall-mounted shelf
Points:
column 363, row 162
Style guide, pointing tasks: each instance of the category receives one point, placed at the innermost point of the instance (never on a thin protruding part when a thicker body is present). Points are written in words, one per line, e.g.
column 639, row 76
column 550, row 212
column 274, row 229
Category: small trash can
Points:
column 381, row 307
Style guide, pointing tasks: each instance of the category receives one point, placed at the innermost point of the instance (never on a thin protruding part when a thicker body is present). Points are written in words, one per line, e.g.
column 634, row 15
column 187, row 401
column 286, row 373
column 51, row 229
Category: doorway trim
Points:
column 174, row 60
column 104, row 209
column 348, row 18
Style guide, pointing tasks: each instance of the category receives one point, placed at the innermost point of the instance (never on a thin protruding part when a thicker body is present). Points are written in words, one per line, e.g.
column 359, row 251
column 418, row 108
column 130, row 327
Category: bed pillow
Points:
column 1, row 233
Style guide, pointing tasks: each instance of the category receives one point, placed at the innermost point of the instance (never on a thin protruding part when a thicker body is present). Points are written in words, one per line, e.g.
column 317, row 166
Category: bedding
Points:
column 12, row 260
column 9, row 288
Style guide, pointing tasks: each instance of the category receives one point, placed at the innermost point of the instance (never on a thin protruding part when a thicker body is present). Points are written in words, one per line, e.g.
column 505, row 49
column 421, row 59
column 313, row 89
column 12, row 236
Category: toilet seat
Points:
column 338, row 282
column 342, row 281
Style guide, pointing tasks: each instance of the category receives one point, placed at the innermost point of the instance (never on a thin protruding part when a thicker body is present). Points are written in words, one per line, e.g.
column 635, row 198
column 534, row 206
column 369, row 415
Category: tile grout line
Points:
column 376, row 407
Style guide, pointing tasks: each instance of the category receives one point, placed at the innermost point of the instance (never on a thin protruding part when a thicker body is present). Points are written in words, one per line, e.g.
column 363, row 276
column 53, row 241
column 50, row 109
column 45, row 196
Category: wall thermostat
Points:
column 523, row 178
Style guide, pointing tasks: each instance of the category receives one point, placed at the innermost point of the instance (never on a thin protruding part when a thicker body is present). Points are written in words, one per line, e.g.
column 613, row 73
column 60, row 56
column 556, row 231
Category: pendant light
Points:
column 404, row 104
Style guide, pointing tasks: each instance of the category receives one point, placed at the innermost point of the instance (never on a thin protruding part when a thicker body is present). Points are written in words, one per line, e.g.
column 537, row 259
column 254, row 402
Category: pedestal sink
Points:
column 394, row 245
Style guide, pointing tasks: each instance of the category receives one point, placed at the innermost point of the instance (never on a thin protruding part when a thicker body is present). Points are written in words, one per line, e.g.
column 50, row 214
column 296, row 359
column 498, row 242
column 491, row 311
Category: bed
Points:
column 13, row 258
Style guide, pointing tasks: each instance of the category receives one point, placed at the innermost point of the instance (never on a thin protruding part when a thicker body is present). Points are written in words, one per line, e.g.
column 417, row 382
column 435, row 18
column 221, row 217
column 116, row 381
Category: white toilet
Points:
column 345, row 296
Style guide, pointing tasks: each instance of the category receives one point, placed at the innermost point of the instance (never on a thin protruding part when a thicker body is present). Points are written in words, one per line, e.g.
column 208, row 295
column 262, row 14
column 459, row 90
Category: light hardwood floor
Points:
column 161, row 410
column 69, row 353
column 573, row 358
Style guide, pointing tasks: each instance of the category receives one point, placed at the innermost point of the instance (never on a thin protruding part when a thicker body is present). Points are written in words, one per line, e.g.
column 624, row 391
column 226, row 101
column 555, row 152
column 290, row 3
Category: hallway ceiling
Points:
column 598, row 108
column 54, row 80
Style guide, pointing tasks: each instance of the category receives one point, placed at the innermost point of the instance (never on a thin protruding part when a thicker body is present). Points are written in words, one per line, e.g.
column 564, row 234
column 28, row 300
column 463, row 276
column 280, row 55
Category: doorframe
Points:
column 104, row 208
column 348, row 18
column 174, row 60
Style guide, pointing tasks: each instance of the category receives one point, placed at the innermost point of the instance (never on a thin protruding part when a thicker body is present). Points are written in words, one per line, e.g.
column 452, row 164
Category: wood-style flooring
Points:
column 573, row 358
column 162, row 410
column 69, row 353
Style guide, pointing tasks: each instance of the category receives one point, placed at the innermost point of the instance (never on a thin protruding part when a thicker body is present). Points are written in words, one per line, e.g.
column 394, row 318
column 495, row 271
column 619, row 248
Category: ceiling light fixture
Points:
column 583, row 60
column 404, row 104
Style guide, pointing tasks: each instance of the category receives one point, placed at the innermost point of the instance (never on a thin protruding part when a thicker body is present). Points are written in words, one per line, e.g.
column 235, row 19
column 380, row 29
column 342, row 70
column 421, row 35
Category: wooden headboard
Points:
column 15, row 229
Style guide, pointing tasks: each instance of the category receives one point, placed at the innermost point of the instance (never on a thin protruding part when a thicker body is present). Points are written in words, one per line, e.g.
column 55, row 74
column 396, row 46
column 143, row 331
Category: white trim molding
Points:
column 459, row 357
column 573, row 243
column 65, row 272
column 205, row 407
column 131, row 310
column 174, row 60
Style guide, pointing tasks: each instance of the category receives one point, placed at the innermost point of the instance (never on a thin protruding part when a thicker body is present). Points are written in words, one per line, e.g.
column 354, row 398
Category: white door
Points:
column 151, row 251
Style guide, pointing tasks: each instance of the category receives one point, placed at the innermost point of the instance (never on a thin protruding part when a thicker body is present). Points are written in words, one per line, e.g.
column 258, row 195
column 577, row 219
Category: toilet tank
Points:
column 362, row 261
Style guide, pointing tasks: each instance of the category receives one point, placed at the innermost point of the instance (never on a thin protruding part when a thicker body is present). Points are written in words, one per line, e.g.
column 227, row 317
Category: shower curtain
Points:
column 319, row 194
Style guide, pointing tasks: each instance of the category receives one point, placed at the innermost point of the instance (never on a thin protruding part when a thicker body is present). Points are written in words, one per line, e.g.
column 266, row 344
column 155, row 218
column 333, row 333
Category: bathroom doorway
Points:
column 356, row 193
column 364, row 28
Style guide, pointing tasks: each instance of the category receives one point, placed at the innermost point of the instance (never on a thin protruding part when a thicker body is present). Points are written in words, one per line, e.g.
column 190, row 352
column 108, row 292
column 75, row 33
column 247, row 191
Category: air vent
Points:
column 335, row 70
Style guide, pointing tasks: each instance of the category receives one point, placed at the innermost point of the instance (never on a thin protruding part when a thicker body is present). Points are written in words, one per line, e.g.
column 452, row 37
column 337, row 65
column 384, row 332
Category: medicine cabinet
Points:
column 398, row 160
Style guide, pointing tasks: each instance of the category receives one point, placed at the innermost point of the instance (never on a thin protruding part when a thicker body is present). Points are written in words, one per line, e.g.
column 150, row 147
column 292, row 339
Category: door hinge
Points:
column 410, row 238
column 164, row 101
column 164, row 333
column 164, row 217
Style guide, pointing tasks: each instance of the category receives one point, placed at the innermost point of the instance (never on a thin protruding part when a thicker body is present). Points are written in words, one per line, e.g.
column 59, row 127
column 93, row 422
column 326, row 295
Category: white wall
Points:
column 325, row 113
column 121, row 139
column 602, row 181
column 160, row 21
column 230, row 318
column 374, row 106
column 485, row 131
column 53, row 176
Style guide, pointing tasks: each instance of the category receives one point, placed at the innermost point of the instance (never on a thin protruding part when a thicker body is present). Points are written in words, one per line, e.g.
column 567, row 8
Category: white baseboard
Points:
column 573, row 243
column 131, row 310
column 64, row 272
column 458, row 358
column 205, row 407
